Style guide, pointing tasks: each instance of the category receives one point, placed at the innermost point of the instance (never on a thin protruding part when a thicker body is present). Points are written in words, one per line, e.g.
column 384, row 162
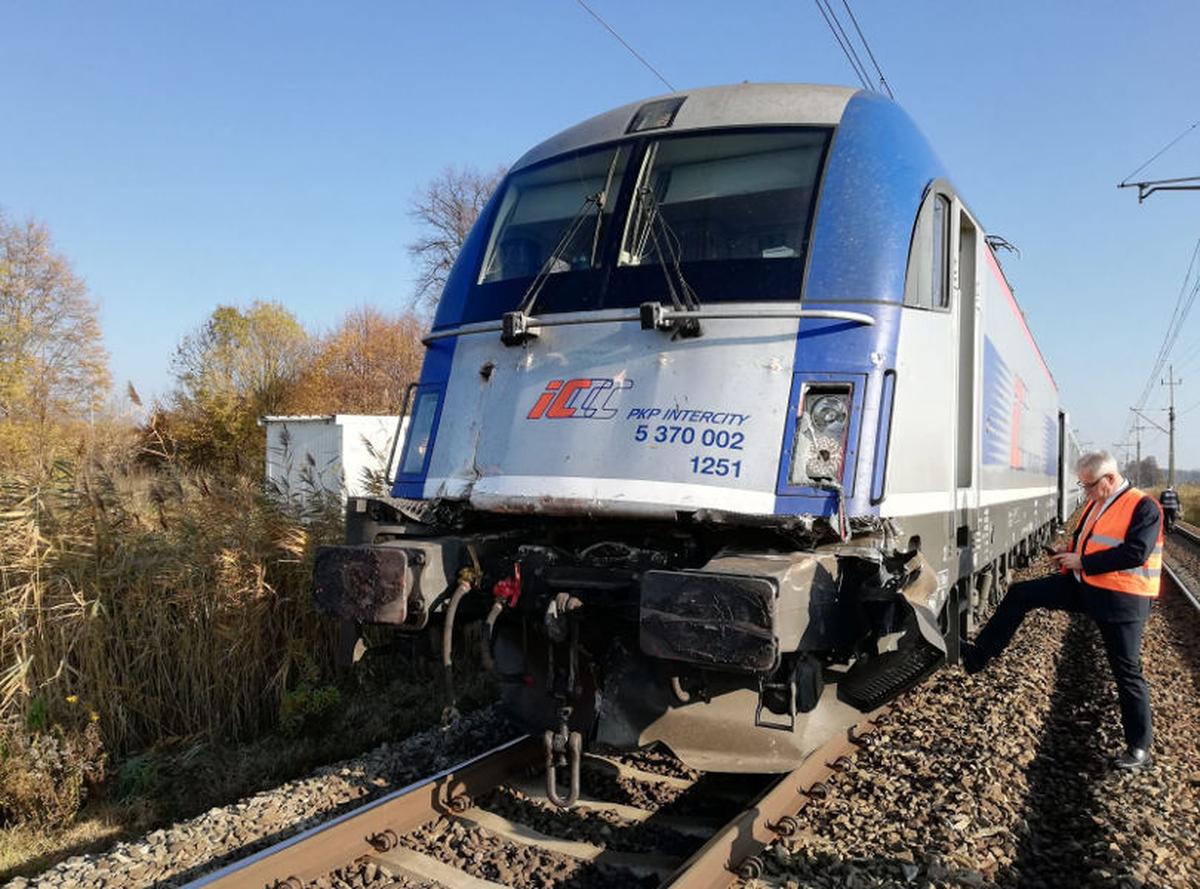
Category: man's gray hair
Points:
column 1097, row 463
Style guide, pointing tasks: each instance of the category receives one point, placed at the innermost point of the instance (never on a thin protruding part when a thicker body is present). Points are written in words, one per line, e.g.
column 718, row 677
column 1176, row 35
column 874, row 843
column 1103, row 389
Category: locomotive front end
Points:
column 650, row 436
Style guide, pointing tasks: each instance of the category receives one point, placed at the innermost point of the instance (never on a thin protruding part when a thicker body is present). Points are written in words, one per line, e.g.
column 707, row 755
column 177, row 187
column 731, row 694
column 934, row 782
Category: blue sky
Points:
column 186, row 155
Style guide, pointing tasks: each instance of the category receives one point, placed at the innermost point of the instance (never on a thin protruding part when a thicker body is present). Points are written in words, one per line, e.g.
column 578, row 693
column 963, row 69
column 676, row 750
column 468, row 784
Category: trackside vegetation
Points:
column 159, row 652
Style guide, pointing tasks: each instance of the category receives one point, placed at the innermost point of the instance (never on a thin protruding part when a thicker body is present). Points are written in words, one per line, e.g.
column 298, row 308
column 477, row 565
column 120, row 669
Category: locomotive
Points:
column 728, row 428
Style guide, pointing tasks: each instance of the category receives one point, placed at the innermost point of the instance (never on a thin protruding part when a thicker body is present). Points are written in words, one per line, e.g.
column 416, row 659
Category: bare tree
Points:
column 53, row 364
column 446, row 208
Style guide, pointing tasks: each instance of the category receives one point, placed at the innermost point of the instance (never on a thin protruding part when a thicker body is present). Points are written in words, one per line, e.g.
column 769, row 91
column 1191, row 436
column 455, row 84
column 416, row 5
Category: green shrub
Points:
column 138, row 776
column 304, row 709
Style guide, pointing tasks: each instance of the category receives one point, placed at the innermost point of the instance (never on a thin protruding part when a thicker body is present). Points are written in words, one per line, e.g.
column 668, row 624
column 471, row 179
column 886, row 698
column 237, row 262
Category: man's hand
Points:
column 1068, row 560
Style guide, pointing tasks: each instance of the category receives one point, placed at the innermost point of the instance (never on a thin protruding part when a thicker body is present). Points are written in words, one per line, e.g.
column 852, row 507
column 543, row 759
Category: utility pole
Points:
column 1122, row 447
column 1170, row 382
column 1170, row 433
column 1137, row 434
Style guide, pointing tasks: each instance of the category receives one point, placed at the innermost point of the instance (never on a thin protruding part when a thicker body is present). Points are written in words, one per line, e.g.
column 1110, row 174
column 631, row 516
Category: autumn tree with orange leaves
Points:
column 53, row 365
column 362, row 366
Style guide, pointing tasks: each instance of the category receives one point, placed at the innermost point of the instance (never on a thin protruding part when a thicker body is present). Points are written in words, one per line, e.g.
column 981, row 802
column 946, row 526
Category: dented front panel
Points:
column 610, row 419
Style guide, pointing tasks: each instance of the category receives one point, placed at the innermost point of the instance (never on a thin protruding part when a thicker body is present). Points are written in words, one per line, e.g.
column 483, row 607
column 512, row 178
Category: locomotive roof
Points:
column 743, row 104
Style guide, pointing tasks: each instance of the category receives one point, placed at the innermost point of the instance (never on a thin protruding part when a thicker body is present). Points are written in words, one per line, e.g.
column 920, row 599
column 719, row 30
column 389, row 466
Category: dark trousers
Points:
column 1122, row 641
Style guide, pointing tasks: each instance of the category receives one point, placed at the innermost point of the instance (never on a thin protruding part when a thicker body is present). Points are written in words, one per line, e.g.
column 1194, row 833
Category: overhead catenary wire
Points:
column 1188, row 292
column 1159, row 153
column 1187, row 410
column 847, row 44
column 1188, row 359
column 637, row 55
column 1178, row 316
column 1171, row 338
column 839, row 35
column 863, row 37
column 1187, row 364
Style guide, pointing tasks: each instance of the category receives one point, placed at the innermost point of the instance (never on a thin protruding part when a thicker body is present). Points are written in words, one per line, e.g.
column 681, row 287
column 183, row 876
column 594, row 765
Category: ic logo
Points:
column 584, row 398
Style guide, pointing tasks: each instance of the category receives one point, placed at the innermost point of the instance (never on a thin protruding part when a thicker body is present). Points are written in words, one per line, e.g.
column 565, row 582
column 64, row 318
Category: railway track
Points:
column 1002, row 778
column 1182, row 562
column 486, row 823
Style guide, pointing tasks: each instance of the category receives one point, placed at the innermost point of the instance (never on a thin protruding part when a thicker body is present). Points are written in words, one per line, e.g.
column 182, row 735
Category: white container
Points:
column 342, row 455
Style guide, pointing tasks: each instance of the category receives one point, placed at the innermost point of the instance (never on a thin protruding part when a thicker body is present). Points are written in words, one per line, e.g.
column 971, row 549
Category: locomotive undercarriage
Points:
column 740, row 648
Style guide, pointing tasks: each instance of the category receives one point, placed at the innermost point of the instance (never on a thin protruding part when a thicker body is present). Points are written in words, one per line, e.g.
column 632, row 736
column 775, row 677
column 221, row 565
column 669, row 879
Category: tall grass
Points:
column 1189, row 502
column 172, row 604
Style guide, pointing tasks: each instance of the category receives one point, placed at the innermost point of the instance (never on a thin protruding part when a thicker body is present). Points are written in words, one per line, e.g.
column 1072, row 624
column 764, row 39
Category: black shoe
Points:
column 971, row 658
column 1133, row 759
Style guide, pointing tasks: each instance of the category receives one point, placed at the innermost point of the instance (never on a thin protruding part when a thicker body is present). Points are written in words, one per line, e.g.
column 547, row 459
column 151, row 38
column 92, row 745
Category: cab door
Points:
column 966, row 307
column 922, row 471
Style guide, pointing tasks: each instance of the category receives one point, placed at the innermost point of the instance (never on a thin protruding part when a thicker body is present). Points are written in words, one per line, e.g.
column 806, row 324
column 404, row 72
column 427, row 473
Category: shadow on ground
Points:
column 1064, row 833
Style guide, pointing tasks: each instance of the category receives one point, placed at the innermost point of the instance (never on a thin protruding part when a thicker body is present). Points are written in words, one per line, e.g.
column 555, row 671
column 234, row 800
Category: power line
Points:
column 1183, row 306
column 1188, row 410
column 1187, row 359
column 1161, row 152
column 636, row 54
column 1180, row 313
column 863, row 37
column 862, row 68
column 839, row 35
column 1149, row 187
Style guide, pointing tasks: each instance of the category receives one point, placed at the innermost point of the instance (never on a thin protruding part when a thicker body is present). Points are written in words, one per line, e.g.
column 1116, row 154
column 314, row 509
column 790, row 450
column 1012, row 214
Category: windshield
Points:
column 725, row 216
column 541, row 204
column 728, row 196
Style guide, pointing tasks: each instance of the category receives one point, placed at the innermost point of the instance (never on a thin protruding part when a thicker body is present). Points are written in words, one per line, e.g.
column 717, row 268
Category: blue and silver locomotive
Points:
column 728, row 426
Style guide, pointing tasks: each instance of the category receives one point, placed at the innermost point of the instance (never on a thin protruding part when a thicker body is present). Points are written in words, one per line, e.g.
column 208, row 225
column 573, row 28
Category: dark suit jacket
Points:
column 1139, row 542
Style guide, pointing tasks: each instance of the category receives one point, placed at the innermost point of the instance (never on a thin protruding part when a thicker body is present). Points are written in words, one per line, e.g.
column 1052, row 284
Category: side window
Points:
column 939, row 271
column 927, row 285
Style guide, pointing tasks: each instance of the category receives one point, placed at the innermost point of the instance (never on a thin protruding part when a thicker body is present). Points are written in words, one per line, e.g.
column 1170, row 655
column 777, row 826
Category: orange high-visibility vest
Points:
column 1109, row 531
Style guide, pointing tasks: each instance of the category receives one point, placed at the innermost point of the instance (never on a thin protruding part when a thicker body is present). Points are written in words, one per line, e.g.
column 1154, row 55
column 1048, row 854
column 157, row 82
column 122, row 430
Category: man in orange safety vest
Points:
column 1109, row 572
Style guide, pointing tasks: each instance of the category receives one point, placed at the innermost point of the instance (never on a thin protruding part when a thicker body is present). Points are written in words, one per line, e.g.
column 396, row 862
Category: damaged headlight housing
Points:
column 822, row 430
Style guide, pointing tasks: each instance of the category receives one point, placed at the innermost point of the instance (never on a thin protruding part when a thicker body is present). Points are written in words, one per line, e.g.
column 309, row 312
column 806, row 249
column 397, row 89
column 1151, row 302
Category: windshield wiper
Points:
column 515, row 328
column 655, row 228
column 515, row 325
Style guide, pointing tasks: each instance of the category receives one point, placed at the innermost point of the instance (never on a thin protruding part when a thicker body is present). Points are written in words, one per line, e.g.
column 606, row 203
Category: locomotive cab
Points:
column 652, row 446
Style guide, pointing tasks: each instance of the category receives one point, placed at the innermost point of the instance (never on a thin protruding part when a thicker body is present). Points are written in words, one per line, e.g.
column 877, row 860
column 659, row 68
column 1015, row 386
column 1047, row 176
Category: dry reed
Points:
column 174, row 605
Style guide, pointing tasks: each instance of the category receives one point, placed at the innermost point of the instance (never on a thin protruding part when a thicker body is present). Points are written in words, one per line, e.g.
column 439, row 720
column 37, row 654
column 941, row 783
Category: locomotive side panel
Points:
column 1020, row 428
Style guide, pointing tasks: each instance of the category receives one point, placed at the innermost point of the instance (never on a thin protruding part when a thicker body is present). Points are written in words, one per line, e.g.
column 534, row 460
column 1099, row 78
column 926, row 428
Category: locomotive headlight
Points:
column 819, row 447
column 829, row 414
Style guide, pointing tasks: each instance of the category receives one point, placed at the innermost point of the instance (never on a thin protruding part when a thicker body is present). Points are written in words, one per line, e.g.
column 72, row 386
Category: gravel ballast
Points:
column 1004, row 778
column 177, row 855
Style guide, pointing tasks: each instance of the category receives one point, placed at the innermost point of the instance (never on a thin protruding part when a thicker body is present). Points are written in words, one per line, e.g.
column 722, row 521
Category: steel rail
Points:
column 322, row 849
column 731, row 854
column 1194, row 540
column 1187, row 532
column 1181, row 586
